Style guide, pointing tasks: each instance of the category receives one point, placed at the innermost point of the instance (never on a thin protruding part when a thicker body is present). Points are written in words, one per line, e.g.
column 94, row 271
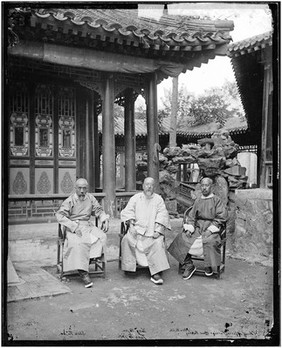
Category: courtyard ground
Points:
column 236, row 308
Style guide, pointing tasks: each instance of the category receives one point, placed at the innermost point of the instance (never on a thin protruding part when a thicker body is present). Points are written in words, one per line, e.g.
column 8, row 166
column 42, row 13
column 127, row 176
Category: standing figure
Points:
column 144, row 243
column 83, row 240
column 205, row 219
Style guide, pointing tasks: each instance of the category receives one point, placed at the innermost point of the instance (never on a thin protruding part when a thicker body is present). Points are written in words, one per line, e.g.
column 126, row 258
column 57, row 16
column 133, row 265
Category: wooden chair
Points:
column 98, row 264
column 200, row 259
column 124, row 227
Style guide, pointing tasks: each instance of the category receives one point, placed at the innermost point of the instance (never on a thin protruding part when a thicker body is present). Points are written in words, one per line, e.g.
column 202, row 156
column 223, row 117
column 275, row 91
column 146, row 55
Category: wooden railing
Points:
column 37, row 208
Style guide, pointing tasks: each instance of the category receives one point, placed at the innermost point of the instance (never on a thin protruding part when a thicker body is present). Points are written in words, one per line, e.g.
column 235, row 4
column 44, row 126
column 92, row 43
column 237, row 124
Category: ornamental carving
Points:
column 119, row 88
column 43, row 135
column 43, row 185
column 19, row 184
column 93, row 86
column 66, row 133
column 43, row 121
column 67, row 184
column 19, row 133
column 19, row 127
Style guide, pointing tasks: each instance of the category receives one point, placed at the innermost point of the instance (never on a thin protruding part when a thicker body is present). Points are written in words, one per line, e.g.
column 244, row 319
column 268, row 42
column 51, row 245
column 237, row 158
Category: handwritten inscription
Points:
column 189, row 331
column 134, row 333
column 71, row 332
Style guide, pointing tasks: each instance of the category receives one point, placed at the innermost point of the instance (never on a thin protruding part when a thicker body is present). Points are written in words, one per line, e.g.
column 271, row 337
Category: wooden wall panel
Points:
column 44, row 180
column 19, row 181
column 67, row 178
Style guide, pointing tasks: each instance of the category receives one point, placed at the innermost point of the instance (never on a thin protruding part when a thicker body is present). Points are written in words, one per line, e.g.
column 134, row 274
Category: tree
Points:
column 213, row 105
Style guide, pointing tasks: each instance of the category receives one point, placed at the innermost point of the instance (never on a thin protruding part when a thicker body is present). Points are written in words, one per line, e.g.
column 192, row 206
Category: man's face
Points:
column 81, row 189
column 206, row 187
column 148, row 187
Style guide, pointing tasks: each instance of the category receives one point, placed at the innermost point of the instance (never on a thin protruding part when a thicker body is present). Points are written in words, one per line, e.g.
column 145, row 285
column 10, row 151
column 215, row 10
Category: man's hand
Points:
column 78, row 232
column 132, row 230
column 105, row 226
column 207, row 233
column 156, row 235
column 189, row 233
column 189, row 229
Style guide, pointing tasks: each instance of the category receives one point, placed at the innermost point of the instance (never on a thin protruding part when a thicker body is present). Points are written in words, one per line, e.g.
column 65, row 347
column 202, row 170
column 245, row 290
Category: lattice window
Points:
column 44, row 121
column 19, row 117
column 66, row 111
column 118, row 164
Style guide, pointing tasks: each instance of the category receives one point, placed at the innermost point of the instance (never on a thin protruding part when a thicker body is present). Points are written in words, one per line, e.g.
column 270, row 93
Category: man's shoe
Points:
column 208, row 271
column 157, row 279
column 188, row 272
column 129, row 273
column 87, row 281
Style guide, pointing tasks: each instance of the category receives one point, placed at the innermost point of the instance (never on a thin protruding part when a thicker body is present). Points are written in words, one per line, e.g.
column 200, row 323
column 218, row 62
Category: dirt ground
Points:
column 121, row 307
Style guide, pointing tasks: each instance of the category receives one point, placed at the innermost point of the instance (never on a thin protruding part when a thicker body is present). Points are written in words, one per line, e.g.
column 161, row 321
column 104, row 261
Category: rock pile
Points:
column 214, row 156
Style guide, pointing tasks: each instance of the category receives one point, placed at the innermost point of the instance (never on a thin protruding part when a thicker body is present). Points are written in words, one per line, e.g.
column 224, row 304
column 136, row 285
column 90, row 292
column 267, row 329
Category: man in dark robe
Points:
column 204, row 221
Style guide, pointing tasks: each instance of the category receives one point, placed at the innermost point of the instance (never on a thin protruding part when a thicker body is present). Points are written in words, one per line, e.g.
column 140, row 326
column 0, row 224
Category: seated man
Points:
column 83, row 240
column 204, row 219
column 144, row 243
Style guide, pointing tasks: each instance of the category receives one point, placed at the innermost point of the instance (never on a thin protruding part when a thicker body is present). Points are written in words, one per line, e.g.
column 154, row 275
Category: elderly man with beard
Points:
column 83, row 240
column 144, row 244
column 204, row 219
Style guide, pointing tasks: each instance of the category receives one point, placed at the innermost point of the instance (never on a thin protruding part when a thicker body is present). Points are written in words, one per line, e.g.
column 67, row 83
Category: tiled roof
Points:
column 233, row 125
column 251, row 44
column 124, row 27
column 247, row 57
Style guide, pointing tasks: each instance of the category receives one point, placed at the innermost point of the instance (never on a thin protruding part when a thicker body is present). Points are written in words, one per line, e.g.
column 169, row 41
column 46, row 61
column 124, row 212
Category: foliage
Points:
column 213, row 105
column 216, row 104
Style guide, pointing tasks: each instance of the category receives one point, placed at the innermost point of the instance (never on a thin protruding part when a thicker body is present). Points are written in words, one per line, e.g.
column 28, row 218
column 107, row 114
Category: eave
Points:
column 181, row 40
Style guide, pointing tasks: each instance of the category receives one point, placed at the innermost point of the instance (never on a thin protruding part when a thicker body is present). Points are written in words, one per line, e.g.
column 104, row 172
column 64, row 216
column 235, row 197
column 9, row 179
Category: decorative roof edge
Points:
column 251, row 44
column 219, row 35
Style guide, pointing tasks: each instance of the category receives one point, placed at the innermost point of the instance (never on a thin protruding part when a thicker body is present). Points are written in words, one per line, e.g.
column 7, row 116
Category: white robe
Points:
column 138, row 245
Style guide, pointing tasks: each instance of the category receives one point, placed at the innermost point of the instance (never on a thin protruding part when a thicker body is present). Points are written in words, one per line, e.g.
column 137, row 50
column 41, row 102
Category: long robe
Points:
column 138, row 245
column 92, row 243
column 207, row 212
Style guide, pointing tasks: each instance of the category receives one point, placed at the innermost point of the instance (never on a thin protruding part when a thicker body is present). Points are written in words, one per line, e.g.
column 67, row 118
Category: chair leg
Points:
column 60, row 260
column 218, row 272
column 104, row 269
column 179, row 268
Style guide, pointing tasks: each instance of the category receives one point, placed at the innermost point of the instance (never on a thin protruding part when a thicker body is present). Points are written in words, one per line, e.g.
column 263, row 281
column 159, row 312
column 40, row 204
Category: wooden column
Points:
column 173, row 117
column 56, row 140
column 81, row 133
column 90, row 154
column 32, row 88
column 130, row 142
column 152, row 130
column 96, row 144
column 267, row 89
column 108, row 148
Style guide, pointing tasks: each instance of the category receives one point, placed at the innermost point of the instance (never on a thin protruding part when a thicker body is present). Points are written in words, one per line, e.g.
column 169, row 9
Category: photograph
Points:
column 140, row 173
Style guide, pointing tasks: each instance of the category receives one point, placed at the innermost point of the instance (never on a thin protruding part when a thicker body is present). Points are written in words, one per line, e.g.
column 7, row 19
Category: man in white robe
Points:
column 144, row 243
column 83, row 240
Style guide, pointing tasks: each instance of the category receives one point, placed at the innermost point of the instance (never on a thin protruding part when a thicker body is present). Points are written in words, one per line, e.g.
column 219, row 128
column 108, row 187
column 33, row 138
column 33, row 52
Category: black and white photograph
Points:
column 140, row 173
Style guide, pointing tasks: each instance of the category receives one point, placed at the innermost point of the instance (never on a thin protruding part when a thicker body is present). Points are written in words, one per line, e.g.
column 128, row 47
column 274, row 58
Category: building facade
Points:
column 65, row 66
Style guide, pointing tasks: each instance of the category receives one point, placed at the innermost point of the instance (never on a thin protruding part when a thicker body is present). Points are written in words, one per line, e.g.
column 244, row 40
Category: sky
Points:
column 249, row 20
